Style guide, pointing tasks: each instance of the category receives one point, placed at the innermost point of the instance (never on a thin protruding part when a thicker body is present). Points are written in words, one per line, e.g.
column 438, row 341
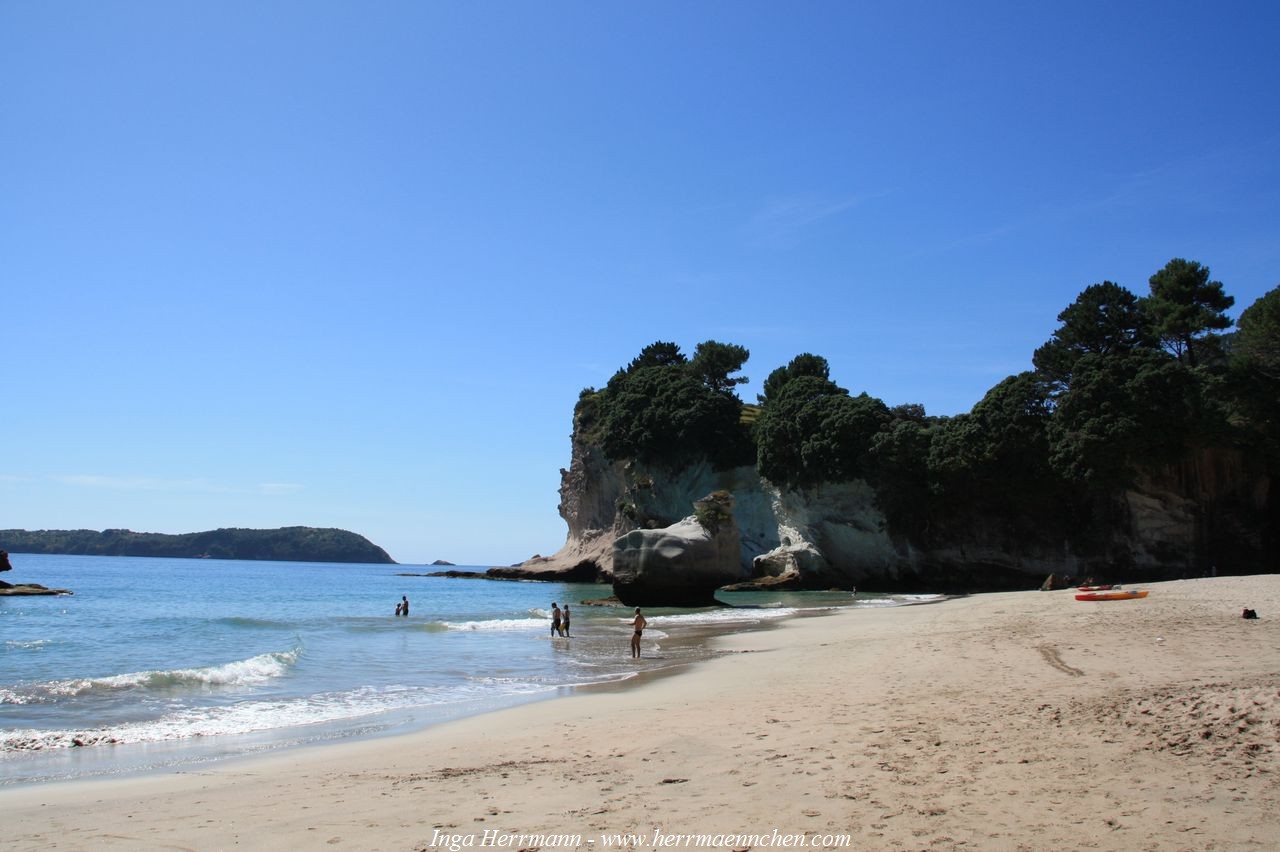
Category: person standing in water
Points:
column 555, row 619
column 564, row 625
column 404, row 606
column 639, row 624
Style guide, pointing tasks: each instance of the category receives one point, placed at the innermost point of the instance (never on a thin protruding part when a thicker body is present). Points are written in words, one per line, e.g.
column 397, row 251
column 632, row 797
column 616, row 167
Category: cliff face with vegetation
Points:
column 288, row 544
column 1145, row 445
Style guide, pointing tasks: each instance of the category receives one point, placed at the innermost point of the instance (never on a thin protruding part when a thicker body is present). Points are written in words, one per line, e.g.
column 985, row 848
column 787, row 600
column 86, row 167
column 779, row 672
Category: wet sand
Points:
column 1018, row 720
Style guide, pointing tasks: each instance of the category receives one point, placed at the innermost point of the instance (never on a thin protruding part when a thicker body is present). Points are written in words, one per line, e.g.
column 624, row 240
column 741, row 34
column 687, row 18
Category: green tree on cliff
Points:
column 1123, row 413
column 811, row 431
column 666, row 410
column 997, row 455
column 1105, row 319
column 1257, row 339
column 801, row 365
column 714, row 361
column 1185, row 307
column 1254, row 377
column 658, row 354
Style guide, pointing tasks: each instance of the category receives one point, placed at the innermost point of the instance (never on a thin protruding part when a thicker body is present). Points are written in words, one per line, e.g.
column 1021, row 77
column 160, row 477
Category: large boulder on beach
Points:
column 683, row 564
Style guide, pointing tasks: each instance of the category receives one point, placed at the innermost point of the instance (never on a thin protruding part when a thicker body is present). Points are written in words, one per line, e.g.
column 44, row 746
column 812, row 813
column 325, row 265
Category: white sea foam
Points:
column 728, row 615
column 29, row 645
column 254, row 670
column 251, row 716
column 895, row 600
column 500, row 624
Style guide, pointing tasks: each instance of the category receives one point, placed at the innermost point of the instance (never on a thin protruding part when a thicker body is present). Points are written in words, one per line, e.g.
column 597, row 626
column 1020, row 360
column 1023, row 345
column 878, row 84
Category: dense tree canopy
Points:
column 1257, row 340
column 1122, row 413
column 666, row 410
column 1254, row 378
column 812, row 431
column 801, row 365
column 659, row 354
column 1185, row 306
column 1124, row 383
column 1105, row 319
column 713, row 362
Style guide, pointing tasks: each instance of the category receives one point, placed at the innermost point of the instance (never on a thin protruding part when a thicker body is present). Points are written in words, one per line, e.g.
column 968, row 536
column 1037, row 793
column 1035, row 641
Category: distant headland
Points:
column 287, row 544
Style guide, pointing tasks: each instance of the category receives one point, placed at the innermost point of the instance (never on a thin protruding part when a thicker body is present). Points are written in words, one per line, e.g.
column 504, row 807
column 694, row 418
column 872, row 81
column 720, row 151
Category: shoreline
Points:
column 1005, row 718
column 673, row 652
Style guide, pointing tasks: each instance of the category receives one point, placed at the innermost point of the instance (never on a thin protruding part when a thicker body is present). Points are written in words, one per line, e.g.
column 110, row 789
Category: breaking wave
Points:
column 259, row 669
column 245, row 717
column 496, row 624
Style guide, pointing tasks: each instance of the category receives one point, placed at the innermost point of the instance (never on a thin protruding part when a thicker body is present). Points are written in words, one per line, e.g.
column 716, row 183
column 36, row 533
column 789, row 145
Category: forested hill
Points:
column 288, row 544
column 1145, row 443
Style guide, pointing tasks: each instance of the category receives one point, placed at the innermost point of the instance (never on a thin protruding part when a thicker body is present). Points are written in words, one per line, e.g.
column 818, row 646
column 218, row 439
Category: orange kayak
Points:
column 1110, row 596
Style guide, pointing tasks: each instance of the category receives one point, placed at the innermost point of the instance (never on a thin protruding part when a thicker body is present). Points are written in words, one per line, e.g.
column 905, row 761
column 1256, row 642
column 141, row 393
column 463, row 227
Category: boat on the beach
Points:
column 1094, row 588
column 1111, row 596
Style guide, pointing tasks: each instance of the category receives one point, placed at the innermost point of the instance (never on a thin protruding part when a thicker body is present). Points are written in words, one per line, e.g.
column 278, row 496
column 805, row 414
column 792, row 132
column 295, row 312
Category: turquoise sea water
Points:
column 162, row 662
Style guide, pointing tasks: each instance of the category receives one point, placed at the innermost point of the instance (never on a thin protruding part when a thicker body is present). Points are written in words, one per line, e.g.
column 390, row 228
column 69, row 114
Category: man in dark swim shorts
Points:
column 639, row 624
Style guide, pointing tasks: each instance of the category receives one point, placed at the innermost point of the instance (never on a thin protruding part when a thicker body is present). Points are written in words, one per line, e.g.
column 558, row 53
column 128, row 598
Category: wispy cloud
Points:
column 139, row 483
column 279, row 487
column 783, row 222
column 1159, row 186
column 176, row 486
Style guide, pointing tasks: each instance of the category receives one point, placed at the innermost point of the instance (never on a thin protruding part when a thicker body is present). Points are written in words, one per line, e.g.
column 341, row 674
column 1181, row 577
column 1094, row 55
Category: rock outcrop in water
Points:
column 21, row 589
column 682, row 564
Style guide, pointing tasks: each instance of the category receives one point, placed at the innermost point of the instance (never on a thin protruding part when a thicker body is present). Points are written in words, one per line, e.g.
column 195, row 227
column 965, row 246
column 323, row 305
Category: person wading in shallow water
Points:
column 555, row 619
column 564, row 625
column 639, row 624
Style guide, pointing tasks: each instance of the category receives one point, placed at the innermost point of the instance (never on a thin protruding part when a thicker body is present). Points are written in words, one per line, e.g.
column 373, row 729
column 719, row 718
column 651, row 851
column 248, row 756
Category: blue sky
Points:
column 350, row 264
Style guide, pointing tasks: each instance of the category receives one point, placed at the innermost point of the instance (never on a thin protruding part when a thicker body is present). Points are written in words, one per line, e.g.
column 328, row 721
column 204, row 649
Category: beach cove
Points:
column 165, row 664
column 1012, row 720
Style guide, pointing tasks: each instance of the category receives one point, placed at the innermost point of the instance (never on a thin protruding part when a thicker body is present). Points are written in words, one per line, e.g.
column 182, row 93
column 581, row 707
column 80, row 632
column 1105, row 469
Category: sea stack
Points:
column 683, row 564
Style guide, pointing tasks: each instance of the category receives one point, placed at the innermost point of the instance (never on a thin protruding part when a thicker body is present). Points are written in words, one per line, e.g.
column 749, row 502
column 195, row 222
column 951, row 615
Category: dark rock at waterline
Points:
column 581, row 572
column 785, row 583
column 20, row 589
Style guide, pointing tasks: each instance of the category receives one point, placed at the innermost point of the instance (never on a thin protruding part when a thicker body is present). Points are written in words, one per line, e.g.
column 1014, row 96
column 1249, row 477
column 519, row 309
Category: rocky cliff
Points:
column 1213, row 510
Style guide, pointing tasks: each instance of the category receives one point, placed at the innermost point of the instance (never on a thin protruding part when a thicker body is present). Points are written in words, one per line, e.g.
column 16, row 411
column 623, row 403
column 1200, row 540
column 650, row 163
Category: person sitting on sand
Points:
column 639, row 624
column 555, row 619
column 564, row 625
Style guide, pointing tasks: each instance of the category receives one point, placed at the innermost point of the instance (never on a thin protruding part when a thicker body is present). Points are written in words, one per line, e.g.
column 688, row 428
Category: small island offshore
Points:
column 287, row 544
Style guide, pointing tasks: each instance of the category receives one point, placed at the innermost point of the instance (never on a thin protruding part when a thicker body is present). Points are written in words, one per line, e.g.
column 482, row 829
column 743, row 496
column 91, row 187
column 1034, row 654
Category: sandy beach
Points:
column 1019, row 720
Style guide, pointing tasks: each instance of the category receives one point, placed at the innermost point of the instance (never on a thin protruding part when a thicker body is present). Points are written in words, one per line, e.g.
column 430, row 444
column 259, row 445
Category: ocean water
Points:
column 167, row 662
